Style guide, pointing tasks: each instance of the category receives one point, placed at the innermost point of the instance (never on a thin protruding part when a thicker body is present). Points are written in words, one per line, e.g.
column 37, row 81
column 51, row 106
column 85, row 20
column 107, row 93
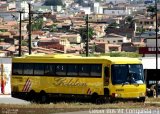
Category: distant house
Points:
column 11, row 50
column 104, row 47
column 38, row 34
column 115, row 11
column 3, row 53
column 64, row 42
column 51, row 43
column 4, row 45
column 12, row 5
column 128, row 47
column 99, row 30
column 4, row 8
column 144, row 23
column 72, row 38
column 63, row 27
column 42, row 50
column 115, row 39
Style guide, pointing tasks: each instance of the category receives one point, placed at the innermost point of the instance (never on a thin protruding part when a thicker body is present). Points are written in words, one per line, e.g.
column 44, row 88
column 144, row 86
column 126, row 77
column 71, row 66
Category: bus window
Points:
column 49, row 69
column 84, row 70
column 72, row 70
column 96, row 70
column 106, row 75
column 136, row 72
column 127, row 73
column 28, row 69
column 17, row 68
column 39, row 69
column 61, row 69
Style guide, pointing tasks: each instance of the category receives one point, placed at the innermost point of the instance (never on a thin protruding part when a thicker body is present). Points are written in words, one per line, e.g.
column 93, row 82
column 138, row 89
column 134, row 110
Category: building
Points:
column 115, row 39
column 104, row 47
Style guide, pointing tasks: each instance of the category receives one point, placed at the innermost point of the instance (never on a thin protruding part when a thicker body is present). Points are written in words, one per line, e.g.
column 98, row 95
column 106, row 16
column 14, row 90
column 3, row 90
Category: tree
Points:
column 36, row 25
column 79, row 2
column 152, row 10
column 98, row 0
column 24, row 43
column 140, row 29
column 53, row 2
column 112, row 25
column 130, row 21
column 83, row 33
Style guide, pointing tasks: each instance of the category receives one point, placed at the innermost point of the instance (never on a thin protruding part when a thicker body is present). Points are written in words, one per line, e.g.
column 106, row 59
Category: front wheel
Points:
column 141, row 99
column 31, row 97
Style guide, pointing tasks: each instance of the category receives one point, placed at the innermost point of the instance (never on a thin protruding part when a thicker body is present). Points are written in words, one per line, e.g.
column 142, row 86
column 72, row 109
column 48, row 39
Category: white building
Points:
column 87, row 10
column 67, row 2
column 23, row 5
column 151, row 42
column 96, row 7
column 116, row 11
column 11, row 5
column 150, row 62
column 115, row 39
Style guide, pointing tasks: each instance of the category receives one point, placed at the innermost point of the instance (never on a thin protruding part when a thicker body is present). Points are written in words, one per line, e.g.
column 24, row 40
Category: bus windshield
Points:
column 127, row 74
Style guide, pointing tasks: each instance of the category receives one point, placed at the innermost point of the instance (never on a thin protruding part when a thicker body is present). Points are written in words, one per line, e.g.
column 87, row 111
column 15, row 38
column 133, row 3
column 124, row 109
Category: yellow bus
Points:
column 42, row 78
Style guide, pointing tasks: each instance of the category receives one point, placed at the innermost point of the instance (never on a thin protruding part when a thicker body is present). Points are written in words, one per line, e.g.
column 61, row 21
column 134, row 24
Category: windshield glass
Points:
column 127, row 74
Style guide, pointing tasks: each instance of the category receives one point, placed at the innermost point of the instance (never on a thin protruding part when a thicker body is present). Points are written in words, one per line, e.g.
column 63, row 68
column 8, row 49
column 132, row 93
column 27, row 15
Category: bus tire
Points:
column 43, row 98
column 32, row 96
column 94, row 98
column 141, row 99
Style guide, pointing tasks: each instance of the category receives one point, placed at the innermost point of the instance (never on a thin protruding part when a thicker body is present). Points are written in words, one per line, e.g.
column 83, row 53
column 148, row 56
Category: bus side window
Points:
column 106, row 75
column 17, row 69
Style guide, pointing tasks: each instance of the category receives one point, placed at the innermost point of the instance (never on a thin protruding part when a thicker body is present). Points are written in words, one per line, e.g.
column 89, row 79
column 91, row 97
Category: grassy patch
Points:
column 151, row 103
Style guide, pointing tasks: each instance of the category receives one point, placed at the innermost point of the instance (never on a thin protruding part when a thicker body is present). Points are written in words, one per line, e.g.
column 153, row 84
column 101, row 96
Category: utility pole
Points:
column 20, row 35
column 156, row 48
column 87, row 39
column 29, row 29
column 87, row 36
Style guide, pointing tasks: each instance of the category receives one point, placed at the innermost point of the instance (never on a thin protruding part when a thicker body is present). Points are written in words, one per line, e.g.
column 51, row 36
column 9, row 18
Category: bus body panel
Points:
column 76, row 85
column 128, row 91
column 59, row 85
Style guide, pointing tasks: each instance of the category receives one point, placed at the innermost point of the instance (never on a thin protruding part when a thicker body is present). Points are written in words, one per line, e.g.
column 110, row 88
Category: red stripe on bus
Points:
column 27, row 85
column 89, row 91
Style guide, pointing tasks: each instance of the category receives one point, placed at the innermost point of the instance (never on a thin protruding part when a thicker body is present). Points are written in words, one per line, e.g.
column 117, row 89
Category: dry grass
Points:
column 151, row 103
column 151, row 99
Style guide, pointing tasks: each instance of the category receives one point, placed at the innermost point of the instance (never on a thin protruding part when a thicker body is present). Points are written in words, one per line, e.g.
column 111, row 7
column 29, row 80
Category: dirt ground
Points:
column 151, row 103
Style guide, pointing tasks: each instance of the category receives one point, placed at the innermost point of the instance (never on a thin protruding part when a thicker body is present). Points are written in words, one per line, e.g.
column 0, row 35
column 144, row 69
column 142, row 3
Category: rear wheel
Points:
column 95, row 98
column 43, row 98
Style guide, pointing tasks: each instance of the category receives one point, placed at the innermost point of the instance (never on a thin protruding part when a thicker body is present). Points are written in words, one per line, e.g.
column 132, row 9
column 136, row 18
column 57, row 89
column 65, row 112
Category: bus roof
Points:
column 66, row 57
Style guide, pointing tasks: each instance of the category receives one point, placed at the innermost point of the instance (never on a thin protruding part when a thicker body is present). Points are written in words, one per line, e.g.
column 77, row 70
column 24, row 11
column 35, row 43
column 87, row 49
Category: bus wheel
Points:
column 106, row 100
column 142, row 99
column 43, row 98
column 94, row 98
column 31, row 96
column 100, row 100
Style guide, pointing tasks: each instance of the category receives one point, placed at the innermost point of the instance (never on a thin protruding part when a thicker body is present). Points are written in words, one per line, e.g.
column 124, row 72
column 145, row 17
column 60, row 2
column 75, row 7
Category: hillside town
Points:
column 115, row 26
